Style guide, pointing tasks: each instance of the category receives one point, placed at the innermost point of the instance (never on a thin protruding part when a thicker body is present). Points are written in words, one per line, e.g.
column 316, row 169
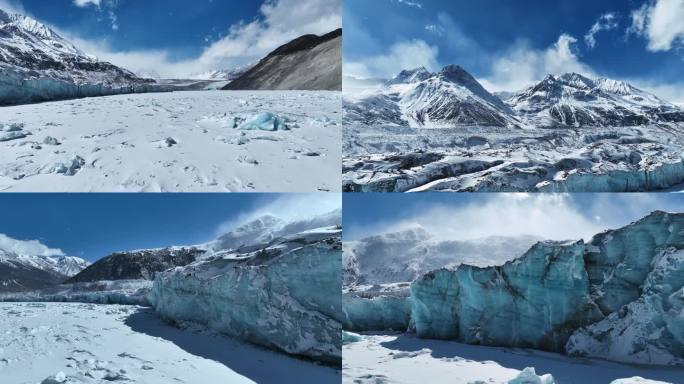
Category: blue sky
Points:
column 476, row 215
column 509, row 44
column 93, row 225
column 176, row 38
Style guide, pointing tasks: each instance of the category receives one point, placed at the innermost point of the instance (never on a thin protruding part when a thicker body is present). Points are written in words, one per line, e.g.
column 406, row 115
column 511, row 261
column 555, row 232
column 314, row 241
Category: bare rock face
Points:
column 308, row 62
column 143, row 264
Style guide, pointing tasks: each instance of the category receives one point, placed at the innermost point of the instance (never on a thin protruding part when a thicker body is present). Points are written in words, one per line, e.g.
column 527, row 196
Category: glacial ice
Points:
column 490, row 159
column 265, row 121
column 349, row 337
column 124, row 292
column 529, row 376
column 376, row 313
column 20, row 86
column 619, row 296
column 283, row 294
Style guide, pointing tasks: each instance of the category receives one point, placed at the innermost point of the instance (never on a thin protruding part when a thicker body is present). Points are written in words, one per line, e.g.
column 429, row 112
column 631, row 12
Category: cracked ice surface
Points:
column 181, row 141
column 620, row 159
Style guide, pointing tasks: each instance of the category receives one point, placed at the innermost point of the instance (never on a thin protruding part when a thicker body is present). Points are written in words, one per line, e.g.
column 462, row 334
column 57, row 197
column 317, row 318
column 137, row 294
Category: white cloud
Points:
column 85, row 3
column 413, row 4
column 27, row 247
column 548, row 216
column 606, row 22
column 522, row 65
column 288, row 207
column 436, row 29
column 279, row 21
column 402, row 55
column 661, row 23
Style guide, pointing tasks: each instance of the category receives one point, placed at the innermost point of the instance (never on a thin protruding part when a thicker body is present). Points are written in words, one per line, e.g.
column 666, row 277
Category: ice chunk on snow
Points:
column 529, row 376
column 265, row 121
column 349, row 337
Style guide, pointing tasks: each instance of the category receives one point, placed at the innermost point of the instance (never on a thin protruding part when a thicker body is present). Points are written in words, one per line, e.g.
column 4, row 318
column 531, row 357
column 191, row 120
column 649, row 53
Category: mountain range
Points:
column 37, row 64
column 21, row 271
column 452, row 97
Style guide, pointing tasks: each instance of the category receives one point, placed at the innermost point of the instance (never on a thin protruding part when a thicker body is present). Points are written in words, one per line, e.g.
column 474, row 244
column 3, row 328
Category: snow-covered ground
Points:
column 89, row 343
column 405, row 359
column 620, row 159
column 180, row 141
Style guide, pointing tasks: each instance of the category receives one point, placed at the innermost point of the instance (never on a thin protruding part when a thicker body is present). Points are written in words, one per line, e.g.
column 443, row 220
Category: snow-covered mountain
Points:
column 267, row 228
column 574, row 100
column 452, row 97
column 308, row 62
column 419, row 98
column 137, row 265
column 37, row 64
column 405, row 255
column 220, row 74
column 20, row 271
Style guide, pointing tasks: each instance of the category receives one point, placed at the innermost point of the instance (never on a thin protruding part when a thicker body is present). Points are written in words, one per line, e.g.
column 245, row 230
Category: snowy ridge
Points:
column 21, row 270
column 563, row 297
column 36, row 64
column 283, row 294
column 419, row 98
column 137, row 265
column 220, row 74
column 575, row 100
column 452, row 98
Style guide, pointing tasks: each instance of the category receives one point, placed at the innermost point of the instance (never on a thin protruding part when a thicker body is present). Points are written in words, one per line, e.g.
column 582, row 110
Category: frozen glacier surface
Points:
column 283, row 294
column 498, row 159
column 176, row 141
column 122, row 292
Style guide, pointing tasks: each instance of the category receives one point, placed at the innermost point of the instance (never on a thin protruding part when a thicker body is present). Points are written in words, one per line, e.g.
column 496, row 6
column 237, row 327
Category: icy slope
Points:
column 418, row 98
column 283, row 294
column 137, row 265
column 20, row 271
column 574, row 100
column 36, row 64
column 309, row 62
column 180, row 141
column 557, row 289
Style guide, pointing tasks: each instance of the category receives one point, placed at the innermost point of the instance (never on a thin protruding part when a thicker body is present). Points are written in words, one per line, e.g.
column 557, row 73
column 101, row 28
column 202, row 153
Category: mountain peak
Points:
column 408, row 76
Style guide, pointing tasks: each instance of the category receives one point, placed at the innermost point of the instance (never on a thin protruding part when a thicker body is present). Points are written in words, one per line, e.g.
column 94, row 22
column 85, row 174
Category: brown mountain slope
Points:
column 308, row 62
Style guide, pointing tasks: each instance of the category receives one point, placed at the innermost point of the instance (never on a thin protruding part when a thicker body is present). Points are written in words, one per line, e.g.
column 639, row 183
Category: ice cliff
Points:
column 283, row 293
column 619, row 296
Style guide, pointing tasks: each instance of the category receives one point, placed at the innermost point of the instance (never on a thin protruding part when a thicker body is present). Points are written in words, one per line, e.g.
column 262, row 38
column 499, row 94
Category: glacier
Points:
column 283, row 294
column 618, row 296
column 443, row 131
